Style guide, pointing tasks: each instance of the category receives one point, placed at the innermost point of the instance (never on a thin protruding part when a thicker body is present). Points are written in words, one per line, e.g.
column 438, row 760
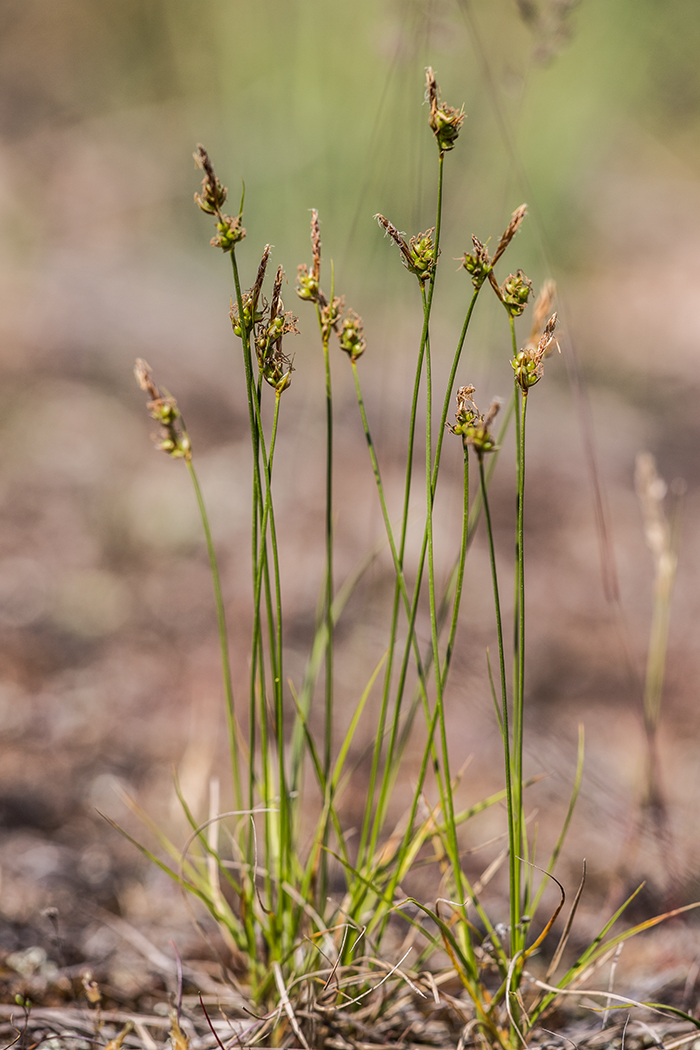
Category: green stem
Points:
column 512, row 840
column 516, row 596
column 257, row 490
column 423, row 351
column 518, row 742
column 328, row 735
column 421, row 561
column 450, row 387
column 328, row 598
column 444, row 780
column 393, row 630
column 223, row 636
column 464, row 545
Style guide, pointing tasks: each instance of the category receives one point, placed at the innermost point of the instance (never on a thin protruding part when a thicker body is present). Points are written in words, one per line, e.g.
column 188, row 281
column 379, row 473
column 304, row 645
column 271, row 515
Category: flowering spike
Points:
column 308, row 281
column 474, row 428
column 541, row 310
column 528, row 363
column 330, row 315
column 213, row 194
column 229, row 230
column 478, row 265
column 516, row 221
column 419, row 255
column 316, row 244
column 174, row 439
column 351, row 336
column 445, row 120
column 515, row 292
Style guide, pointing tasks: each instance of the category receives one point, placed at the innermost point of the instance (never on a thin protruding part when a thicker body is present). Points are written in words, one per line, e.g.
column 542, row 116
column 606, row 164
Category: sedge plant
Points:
column 264, row 880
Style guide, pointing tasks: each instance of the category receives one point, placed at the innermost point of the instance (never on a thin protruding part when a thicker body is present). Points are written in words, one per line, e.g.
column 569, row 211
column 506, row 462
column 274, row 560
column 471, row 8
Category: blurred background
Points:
column 109, row 670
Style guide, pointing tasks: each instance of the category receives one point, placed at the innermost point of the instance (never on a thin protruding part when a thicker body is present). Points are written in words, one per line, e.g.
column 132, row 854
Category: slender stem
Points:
column 393, row 630
column 516, row 596
column 328, row 596
column 460, row 567
column 421, row 561
column 328, row 735
column 444, row 779
column 423, row 353
column 285, row 823
column 512, row 841
column 450, row 387
column 517, row 936
column 402, row 591
column 257, row 490
column 518, row 742
column 223, row 636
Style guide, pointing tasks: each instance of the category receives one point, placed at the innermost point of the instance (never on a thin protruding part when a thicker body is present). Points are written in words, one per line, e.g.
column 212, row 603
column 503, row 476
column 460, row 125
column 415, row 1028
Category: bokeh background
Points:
column 108, row 661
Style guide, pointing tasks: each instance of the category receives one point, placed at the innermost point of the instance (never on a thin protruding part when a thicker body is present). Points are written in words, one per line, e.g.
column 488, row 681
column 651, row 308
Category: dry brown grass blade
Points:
column 556, row 958
column 551, row 922
column 625, row 1000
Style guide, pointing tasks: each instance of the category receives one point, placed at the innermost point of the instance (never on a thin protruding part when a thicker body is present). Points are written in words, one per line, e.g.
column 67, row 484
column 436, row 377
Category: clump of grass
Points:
column 307, row 954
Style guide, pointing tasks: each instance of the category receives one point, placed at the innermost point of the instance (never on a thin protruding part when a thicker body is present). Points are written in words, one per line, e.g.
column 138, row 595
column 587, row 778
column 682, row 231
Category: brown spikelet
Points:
column 544, row 346
column 276, row 303
column 492, row 413
column 541, row 310
column 201, row 159
column 213, row 194
column 510, row 231
column 464, row 394
column 391, row 230
column 316, row 243
column 257, row 287
column 142, row 371
column 431, row 91
column 396, row 237
column 480, row 251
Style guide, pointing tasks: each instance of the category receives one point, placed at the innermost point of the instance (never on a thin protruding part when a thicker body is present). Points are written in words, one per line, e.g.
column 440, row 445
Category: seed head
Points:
column 276, row 305
column 478, row 265
column 213, row 194
column 528, row 363
column 277, row 370
column 251, row 315
column 351, row 336
column 307, row 285
column 510, row 231
column 229, row 233
column 418, row 255
column 330, row 315
column 316, row 244
column 444, row 120
column 260, row 276
column 308, row 281
column 423, row 255
column 515, row 292
column 541, row 310
column 272, row 325
column 173, row 437
column 474, row 428
column 229, row 230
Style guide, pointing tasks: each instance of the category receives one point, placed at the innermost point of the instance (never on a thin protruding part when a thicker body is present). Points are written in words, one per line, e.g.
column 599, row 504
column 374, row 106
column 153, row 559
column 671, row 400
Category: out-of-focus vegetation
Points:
column 314, row 102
